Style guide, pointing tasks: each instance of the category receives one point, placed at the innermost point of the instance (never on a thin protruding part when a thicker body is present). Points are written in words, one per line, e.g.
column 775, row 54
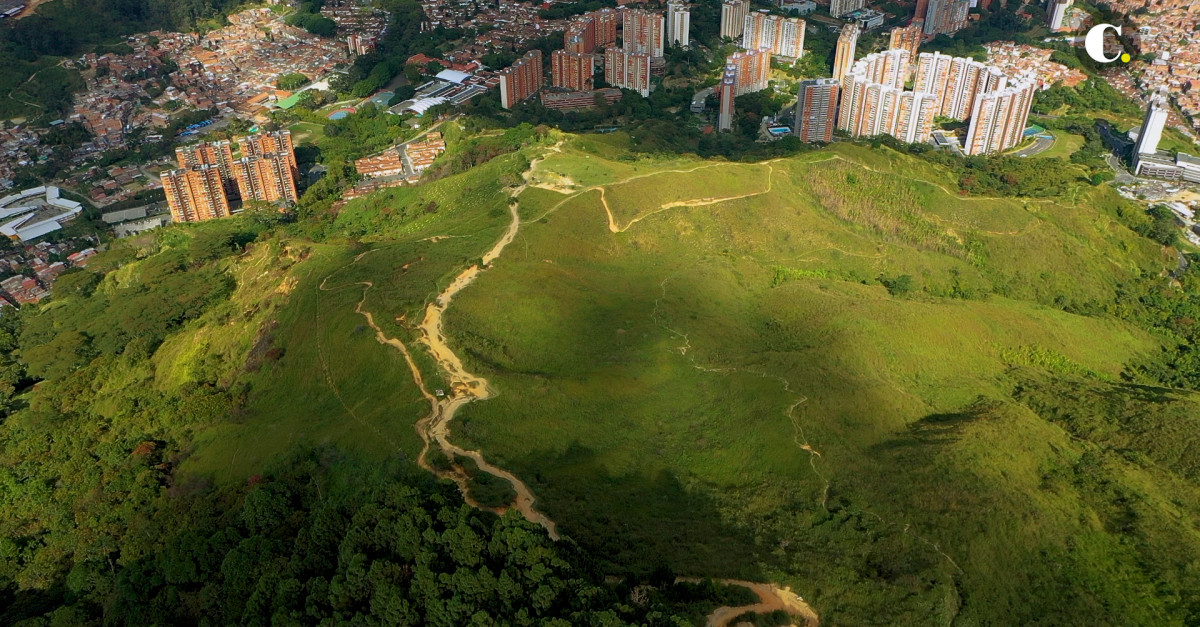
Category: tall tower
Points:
column 844, row 57
column 733, row 18
column 678, row 23
column 1152, row 126
column 571, row 70
column 627, row 70
column 195, row 194
column 522, row 79
column 1057, row 13
column 816, row 109
column 905, row 38
column 643, row 32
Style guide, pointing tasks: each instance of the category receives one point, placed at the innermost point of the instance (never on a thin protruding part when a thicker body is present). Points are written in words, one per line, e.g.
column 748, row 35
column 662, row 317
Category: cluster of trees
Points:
column 1094, row 95
column 292, row 81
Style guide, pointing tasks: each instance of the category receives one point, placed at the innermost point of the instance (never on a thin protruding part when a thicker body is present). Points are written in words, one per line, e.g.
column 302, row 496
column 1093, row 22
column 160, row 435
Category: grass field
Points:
column 672, row 400
column 1065, row 145
column 733, row 384
column 306, row 132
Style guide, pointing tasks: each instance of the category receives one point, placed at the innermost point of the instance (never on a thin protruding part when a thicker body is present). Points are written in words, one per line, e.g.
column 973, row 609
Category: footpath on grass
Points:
column 466, row 387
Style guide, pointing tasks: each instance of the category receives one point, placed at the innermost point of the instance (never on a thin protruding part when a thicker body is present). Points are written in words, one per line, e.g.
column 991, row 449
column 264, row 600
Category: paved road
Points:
column 1123, row 175
column 1043, row 143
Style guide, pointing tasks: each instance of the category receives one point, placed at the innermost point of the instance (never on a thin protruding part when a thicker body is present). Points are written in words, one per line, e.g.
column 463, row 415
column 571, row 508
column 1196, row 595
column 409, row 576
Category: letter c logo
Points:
column 1093, row 43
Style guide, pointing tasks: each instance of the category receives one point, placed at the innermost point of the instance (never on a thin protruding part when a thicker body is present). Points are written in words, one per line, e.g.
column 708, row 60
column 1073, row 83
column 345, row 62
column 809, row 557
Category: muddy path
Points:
column 770, row 598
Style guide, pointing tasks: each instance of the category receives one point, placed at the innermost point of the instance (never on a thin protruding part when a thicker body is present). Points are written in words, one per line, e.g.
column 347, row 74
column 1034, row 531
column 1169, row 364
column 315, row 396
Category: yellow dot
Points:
column 1125, row 57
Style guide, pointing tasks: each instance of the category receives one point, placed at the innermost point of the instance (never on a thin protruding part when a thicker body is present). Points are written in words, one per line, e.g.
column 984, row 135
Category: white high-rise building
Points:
column 1152, row 126
column 783, row 36
column 1057, row 13
column 838, row 8
column 733, row 18
column 678, row 23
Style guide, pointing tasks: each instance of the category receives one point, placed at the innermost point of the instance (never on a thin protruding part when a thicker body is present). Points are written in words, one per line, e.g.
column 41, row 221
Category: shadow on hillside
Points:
column 636, row 523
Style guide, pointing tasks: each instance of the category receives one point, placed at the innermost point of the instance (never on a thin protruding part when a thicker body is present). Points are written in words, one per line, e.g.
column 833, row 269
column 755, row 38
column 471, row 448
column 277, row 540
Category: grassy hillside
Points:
column 833, row 372
column 830, row 382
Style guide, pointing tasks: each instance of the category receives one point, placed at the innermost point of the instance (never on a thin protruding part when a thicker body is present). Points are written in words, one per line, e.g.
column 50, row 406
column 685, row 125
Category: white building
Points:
column 678, row 23
column 38, row 211
column 838, row 8
column 1057, row 13
column 1152, row 126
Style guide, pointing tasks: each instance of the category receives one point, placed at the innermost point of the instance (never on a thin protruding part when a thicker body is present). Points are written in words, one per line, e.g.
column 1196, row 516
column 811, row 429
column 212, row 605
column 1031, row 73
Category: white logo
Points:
column 1093, row 44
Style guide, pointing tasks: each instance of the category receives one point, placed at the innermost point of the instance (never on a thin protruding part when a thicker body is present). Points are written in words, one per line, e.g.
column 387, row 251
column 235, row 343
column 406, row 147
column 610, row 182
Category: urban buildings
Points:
column 782, row 36
column 874, row 101
column 386, row 163
column 420, row 155
column 726, row 93
column 574, row 100
column 678, row 23
column 733, row 18
column 1057, row 13
column 905, row 38
column 580, row 36
column 606, row 26
column 843, row 58
column 998, row 119
column 955, row 82
column 195, row 194
column 36, row 212
column 945, row 16
column 572, row 70
column 522, row 79
column 838, row 8
column 751, row 68
column 643, row 32
column 817, row 109
column 209, row 177
column 1152, row 127
column 627, row 70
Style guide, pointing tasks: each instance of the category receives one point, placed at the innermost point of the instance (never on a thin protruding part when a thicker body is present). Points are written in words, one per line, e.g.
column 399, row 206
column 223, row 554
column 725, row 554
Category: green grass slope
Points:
column 724, row 386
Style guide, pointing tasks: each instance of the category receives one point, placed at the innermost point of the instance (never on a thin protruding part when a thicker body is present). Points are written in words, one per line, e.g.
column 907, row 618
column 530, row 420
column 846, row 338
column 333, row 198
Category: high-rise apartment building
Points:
column 726, row 94
column 606, row 26
column 752, row 70
column 195, row 194
column 955, row 82
column 816, row 109
column 998, row 119
column 643, row 32
column 218, row 153
column 733, row 18
column 522, row 79
column 572, row 70
column 679, row 18
column 627, row 70
column 843, row 58
column 580, row 36
column 276, row 142
column 1057, row 13
column 265, row 177
column 838, row 8
column 1152, row 125
column 874, row 101
column 946, row 16
column 783, row 36
column 905, row 38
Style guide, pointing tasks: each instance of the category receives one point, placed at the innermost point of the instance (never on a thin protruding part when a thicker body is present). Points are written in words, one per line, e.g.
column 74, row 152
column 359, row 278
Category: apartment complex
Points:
column 751, row 68
column 580, row 36
column 571, row 70
column 733, row 18
column 726, row 93
column 522, row 79
column 874, row 101
column 386, row 163
column 606, row 26
column 998, row 119
column 195, row 194
column 782, row 36
column 945, row 16
column 678, row 23
column 817, row 109
column 843, row 58
column 956, row 82
column 905, row 38
column 1152, row 127
column 420, row 155
column 643, row 32
column 209, row 177
column 627, row 70
column 838, row 8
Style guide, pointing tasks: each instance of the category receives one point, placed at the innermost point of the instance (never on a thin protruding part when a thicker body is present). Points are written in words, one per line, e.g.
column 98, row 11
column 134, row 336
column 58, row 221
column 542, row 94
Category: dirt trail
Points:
column 770, row 598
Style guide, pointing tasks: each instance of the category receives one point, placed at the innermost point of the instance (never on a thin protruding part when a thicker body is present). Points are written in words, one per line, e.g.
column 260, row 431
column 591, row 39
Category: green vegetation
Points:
column 908, row 399
column 292, row 81
column 1065, row 145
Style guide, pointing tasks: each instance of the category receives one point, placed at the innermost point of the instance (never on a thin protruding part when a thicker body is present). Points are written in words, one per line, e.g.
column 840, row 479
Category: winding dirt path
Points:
column 770, row 598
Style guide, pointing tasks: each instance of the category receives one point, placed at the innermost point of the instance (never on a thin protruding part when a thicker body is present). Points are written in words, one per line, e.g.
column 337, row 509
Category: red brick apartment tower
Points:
column 195, row 194
column 571, row 70
column 521, row 79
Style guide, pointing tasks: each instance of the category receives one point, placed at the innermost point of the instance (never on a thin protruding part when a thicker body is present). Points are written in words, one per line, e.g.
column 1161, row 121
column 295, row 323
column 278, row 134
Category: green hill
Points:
column 832, row 371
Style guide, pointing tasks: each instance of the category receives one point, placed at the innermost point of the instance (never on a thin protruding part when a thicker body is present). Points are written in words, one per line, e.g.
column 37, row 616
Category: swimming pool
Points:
column 340, row 113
